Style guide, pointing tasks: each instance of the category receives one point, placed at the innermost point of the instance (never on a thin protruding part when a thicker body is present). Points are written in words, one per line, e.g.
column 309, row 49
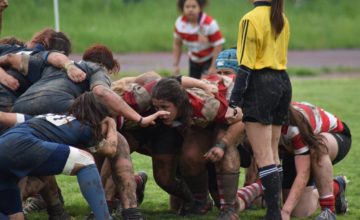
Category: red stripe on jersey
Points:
column 340, row 126
column 196, row 104
column 188, row 37
column 309, row 113
column 215, row 37
column 216, row 79
column 203, row 53
column 129, row 98
column 207, row 19
column 149, row 86
column 284, row 129
column 220, row 117
column 325, row 126
column 297, row 142
column 183, row 18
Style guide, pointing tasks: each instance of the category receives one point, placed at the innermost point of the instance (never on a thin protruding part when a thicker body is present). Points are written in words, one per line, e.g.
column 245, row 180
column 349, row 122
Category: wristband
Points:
column 68, row 64
column 220, row 144
column 140, row 120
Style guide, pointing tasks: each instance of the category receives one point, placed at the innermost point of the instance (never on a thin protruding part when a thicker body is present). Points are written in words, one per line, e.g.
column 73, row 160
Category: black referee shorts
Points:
column 267, row 97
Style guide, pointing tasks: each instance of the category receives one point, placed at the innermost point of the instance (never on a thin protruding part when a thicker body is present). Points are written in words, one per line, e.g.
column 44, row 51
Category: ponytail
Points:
column 276, row 16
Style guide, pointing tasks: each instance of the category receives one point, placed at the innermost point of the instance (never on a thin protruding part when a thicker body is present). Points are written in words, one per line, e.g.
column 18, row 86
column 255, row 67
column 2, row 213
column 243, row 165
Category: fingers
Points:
column 162, row 113
column 212, row 156
column 11, row 82
column 76, row 74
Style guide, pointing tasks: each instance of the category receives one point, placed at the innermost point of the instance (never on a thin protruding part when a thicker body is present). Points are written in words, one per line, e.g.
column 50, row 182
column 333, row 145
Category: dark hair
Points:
column 276, row 16
column 315, row 142
column 181, row 3
column 59, row 41
column 169, row 89
column 102, row 55
column 12, row 41
column 90, row 111
column 52, row 40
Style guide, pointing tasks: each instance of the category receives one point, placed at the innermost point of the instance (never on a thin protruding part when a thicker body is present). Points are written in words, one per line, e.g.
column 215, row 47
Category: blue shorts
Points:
column 22, row 154
column 10, row 202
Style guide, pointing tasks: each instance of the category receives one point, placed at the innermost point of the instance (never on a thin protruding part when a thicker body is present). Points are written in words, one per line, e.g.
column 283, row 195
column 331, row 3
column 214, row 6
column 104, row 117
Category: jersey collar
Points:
column 262, row 3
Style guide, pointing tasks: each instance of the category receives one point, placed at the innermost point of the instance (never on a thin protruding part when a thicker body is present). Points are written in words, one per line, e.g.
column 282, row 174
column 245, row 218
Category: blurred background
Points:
column 147, row 25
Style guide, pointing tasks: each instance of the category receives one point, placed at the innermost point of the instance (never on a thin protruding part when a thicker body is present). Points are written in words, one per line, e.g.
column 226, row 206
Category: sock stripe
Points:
column 267, row 172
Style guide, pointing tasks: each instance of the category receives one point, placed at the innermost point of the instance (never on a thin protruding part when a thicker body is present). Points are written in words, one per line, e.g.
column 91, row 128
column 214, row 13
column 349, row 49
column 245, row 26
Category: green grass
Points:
column 339, row 96
column 148, row 26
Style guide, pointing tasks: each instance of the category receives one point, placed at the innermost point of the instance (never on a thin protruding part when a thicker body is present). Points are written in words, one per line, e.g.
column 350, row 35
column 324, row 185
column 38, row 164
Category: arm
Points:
column 177, row 44
column 141, row 79
column 9, row 119
column 108, row 145
column 189, row 82
column 233, row 114
column 216, row 51
column 61, row 61
column 20, row 62
column 302, row 164
column 8, row 80
column 14, row 61
column 246, row 46
column 120, row 107
column 234, row 133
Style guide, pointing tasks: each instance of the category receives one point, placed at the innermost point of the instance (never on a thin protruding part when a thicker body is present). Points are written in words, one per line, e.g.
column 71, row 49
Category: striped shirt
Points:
column 257, row 45
column 320, row 121
column 207, row 26
column 207, row 109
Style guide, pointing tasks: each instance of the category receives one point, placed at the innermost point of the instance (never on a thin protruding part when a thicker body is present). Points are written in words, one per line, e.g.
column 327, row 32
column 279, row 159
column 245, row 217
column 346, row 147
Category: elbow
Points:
column 103, row 93
column 98, row 91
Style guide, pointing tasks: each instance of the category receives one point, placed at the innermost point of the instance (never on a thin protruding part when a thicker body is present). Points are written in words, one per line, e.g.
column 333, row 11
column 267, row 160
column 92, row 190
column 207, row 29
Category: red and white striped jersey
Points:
column 207, row 109
column 320, row 121
column 207, row 26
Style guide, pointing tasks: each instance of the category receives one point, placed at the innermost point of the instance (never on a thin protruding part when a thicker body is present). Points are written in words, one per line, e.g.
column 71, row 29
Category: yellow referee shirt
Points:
column 257, row 45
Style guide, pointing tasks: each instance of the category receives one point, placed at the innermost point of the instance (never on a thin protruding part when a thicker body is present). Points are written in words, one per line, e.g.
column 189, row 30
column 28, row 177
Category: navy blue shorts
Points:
column 10, row 202
column 23, row 155
column 267, row 97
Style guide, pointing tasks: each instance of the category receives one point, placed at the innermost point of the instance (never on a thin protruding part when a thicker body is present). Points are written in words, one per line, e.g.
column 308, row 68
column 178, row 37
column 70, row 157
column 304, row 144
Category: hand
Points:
column 285, row 215
column 75, row 73
column 150, row 120
column 233, row 115
column 211, row 89
column 176, row 70
column 214, row 154
column 9, row 81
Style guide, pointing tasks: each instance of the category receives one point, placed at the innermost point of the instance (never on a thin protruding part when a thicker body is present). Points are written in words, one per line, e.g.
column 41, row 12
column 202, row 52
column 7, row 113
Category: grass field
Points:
column 148, row 26
column 339, row 96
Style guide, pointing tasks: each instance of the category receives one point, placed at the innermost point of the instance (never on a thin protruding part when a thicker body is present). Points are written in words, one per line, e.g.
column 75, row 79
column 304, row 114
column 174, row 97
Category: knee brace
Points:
column 77, row 156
